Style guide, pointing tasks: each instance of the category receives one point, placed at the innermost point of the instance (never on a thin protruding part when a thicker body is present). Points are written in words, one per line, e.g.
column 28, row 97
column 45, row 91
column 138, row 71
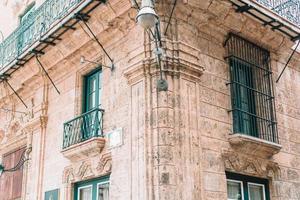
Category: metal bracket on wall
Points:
column 4, row 78
column 291, row 56
column 83, row 17
column 41, row 65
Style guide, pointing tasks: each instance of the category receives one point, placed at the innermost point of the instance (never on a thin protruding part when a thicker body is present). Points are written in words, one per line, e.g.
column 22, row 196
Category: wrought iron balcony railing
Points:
column 288, row 9
column 83, row 127
column 36, row 25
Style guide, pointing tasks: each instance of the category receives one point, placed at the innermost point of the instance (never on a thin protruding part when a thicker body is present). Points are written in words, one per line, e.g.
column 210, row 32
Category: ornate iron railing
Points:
column 38, row 23
column 288, row 9
column 83, row 127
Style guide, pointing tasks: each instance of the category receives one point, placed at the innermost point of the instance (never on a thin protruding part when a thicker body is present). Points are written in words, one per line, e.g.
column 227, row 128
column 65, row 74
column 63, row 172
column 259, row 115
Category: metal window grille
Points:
column 252, row 96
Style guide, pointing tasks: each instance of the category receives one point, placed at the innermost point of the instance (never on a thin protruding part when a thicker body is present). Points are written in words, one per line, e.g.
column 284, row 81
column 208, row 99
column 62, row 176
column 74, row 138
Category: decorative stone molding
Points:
column 86, row 149
column 244, row 164
column 105, row 165
column 88, row 169
column 253, row 146
column 179, row 59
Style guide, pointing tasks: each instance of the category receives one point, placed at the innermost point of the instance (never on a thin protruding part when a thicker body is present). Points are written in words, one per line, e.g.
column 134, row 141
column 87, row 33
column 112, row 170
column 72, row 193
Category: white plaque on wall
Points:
column 115, row 138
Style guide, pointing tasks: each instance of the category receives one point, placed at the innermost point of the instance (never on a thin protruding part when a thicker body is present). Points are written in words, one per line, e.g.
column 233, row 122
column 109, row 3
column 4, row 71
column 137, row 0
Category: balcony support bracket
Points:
column 4, row 78
column 40, row 64
column 83, row 17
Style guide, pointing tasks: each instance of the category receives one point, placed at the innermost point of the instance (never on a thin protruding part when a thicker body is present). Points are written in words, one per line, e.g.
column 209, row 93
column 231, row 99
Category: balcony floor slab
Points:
column 253, row 146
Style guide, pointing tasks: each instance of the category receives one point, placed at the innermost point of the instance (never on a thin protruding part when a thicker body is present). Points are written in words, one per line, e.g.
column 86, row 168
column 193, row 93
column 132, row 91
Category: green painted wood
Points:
column 251, row 86
column 93, row 90
column 52, row 195
column 89, row 124
column 249, row 179
column 93, row 183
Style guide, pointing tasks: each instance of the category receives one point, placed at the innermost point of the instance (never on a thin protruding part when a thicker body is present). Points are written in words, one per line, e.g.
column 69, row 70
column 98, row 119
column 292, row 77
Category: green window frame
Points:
column 251, row 87
column 95, row 189
column 242, row 187
column 92, row 90
column 243, row 98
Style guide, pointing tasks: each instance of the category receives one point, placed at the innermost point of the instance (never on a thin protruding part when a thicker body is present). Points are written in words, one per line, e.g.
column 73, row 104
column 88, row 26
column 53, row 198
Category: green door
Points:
column 96, row 189
column 92, row 96
column 93, row 90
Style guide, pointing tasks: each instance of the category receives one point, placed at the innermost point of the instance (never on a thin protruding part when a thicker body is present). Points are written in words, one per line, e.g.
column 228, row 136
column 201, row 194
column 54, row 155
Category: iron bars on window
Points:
column 253, row 107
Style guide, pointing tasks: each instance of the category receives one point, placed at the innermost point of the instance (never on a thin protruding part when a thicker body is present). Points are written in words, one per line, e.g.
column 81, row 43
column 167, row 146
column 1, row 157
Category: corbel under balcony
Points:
column 82, row 150
column 253, row 146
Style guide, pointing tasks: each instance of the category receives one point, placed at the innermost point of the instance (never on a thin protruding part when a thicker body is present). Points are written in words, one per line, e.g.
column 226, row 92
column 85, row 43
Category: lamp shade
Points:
column 147, row 17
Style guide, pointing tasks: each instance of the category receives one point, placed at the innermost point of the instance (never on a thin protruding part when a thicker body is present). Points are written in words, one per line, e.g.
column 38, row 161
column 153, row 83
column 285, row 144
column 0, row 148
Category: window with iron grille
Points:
column 252, row 96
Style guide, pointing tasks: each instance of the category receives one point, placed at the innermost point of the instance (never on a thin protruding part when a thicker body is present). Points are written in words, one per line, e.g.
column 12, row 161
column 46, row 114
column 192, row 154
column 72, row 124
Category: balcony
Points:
column 83, row 135
column 288, row 9
column 42, row 27
column 281, row 15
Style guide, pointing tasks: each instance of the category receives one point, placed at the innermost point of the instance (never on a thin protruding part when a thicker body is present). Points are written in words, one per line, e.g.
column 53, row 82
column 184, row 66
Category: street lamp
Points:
column 23, row 159
column 1, row 169
column 147, row 17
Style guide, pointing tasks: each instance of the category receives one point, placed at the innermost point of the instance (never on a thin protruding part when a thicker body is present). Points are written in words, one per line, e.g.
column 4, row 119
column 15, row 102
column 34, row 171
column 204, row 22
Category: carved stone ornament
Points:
column 2, row 134
column 253, row 166
column 88, row 169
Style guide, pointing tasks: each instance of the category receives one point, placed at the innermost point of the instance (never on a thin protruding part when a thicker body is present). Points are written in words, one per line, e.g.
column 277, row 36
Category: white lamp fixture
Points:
column 147, row 17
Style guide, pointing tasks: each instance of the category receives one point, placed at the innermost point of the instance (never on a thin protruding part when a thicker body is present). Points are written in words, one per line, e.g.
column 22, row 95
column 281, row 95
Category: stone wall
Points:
column 175, row 142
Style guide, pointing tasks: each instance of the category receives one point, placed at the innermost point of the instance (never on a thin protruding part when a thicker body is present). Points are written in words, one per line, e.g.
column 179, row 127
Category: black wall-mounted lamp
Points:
column 24, row 158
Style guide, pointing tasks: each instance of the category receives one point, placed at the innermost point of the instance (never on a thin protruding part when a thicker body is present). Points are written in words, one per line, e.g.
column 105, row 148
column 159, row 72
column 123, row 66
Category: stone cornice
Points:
column 184, row 60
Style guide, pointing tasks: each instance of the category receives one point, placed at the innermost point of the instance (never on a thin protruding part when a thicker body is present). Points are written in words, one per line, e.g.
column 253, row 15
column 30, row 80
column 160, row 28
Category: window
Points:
column 11, row 182
column 97, row 189
column 241, row 187
column 92, row 91
column 252, row 98
column 89, row 124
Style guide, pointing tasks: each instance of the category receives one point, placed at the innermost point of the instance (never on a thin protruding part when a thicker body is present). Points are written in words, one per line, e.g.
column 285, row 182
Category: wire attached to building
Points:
column 15, row 111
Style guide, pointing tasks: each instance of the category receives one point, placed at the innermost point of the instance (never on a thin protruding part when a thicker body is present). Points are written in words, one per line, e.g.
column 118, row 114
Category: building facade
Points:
column 73, row 128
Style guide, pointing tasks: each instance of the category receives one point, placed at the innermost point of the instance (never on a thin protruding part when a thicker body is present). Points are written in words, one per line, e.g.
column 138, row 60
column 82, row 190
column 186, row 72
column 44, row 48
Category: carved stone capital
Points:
column 184, row 60
column 245, row 164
